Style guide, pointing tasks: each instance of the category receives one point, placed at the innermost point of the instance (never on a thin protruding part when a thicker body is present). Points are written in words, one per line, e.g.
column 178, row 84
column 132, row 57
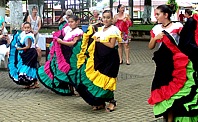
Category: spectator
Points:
column 36, row 26
column 63, row 19
column 35, row 23
column 123, row 22
column 188, row 13
column 181, row 17
column 95, row 19
column 2, row 26
column 4, row 46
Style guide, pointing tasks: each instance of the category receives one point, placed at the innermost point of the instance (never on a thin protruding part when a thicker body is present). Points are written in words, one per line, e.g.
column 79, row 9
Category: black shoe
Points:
column 127, row 63
column 121, row 62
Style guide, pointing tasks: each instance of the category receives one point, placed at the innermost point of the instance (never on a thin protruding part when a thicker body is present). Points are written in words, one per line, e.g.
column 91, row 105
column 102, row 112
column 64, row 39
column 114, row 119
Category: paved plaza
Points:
column 42, row 105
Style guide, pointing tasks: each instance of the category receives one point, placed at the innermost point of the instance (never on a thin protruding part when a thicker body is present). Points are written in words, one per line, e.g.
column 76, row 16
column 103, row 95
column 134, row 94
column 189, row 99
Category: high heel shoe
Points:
column 127, row 63
column 121, row 62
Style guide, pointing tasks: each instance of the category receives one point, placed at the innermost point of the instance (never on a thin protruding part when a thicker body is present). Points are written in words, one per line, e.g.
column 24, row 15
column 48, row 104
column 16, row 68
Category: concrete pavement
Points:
column 42, row 105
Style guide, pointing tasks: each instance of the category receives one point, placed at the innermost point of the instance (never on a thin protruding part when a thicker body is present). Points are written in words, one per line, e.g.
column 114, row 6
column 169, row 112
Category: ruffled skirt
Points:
column 54, row 74
column 174, row 87
column 96, row 78
column 22, row 64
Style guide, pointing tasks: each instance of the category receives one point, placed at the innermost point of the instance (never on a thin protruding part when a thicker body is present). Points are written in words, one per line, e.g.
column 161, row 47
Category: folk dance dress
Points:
column 23, row 63
column 98, row 67
column 81, row 55
column 54, row 74
column 174, row 87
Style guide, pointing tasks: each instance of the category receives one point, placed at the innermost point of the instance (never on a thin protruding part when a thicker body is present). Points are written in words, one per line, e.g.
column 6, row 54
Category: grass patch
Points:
column 47, row 30
column 134, row 27
column 141, row 27
column 42, row 30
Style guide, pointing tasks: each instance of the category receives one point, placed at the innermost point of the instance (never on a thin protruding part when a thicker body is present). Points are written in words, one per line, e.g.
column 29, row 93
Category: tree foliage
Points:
column 173, row 2
column 2, row 3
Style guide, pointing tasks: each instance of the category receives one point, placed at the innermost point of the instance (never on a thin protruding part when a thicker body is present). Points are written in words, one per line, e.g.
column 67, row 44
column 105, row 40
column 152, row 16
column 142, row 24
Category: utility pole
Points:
column 131, row 9
column 111, row 5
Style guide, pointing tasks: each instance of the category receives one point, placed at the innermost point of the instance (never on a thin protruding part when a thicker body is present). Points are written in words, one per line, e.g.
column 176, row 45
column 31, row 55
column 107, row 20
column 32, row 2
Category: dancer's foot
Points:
column 26, row 87
column 36, row 85
column 111, row 106
column 127, row 62
column 99, row 107
column 76, row 94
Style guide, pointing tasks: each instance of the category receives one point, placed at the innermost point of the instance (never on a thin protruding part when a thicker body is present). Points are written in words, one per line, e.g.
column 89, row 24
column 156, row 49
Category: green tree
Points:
column 2, row 8
column 94, row 2
column 173, row 2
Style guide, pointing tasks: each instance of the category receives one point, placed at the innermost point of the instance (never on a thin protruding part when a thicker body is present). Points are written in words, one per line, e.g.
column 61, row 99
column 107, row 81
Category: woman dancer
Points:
column 174, row 87
column 96, row 78
column 54, row 74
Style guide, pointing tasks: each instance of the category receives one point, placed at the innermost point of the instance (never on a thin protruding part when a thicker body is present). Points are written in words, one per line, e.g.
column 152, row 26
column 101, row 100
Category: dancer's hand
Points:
column 98, row 39
column 159, row 36
column 59, row 40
